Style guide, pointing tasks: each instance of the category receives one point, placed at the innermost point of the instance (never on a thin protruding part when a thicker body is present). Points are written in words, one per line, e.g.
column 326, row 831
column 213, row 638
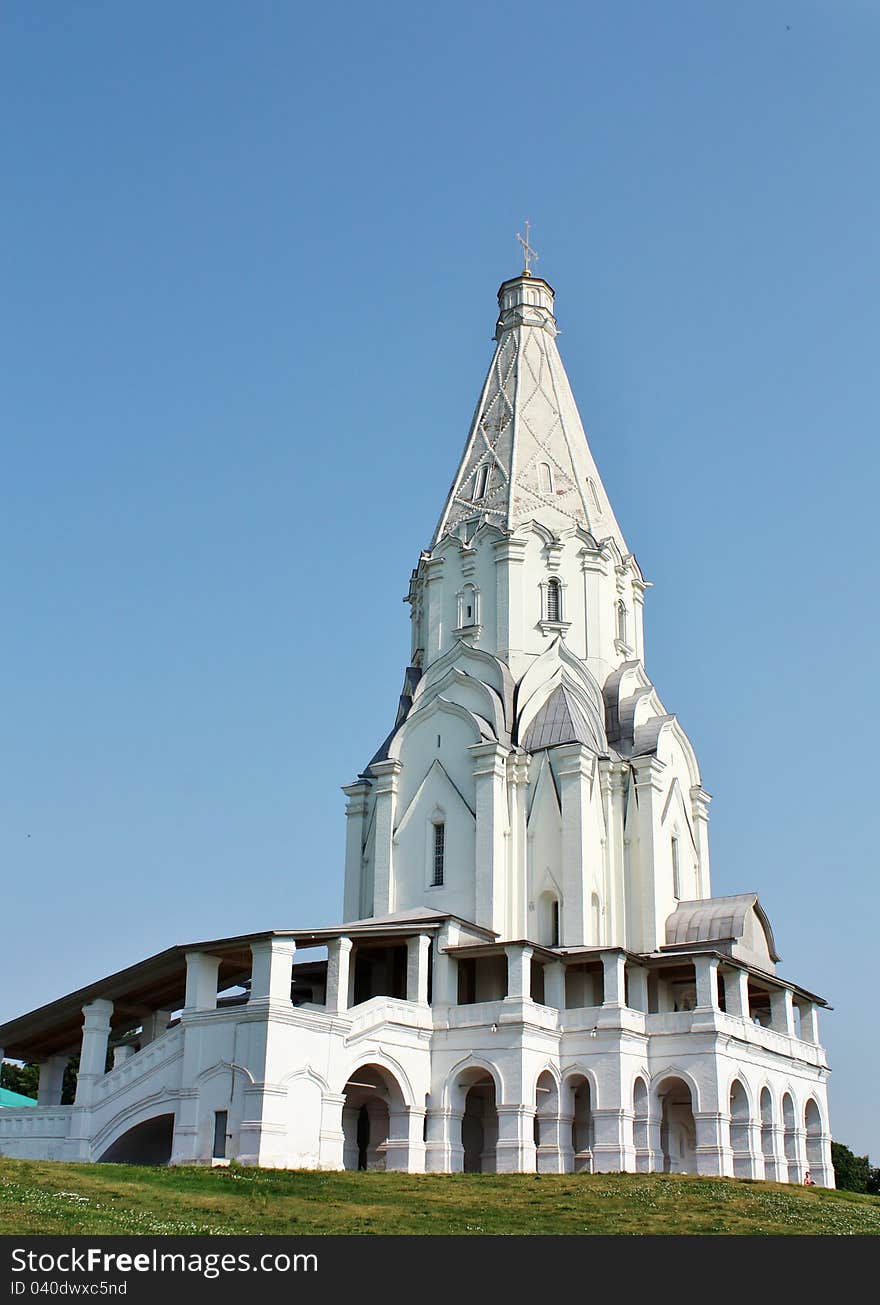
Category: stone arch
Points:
column 374, row 1115
column 472, row 1092
column 814, row 1130
column 550, row 916
column 677, row 1099
column 547, row 1125
column 740, row 1110
column 789, row 1137
column 141, row 1112
column 399, row 1081
column 148, row 1143
column 451, row 1097
column 767, row 1113
column 641, row 1108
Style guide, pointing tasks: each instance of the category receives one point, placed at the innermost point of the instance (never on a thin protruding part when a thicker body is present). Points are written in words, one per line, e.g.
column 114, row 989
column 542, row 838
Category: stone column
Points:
column 93, row 1056
column 387, row 775
column 52, row 1080
column 517, row 801
column 638, row 987
column 491, row 845
column 405, row 1148
column 515, row 1148
column 809, row 1022
column 272, row 972
column 338, row 961
column 418, row 951
column 709, row 1127
column 736, row 993
column 575, row 767
column 444, row 1153
column 355, row 818
column 614, row 978
column 700, row 800
column 706, row 972
column 154, row 1025
column 782, row 1011
column 445, row 971
column 554, row 985
column 331, row 1142
column 510, row 623
column 649, row 923
column 201, row 982
column 613, row 1149
column 519, row 972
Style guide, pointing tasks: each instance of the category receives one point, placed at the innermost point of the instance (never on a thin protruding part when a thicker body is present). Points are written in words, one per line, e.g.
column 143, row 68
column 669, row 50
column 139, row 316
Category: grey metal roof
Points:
column 561, row 720
column 716, row 919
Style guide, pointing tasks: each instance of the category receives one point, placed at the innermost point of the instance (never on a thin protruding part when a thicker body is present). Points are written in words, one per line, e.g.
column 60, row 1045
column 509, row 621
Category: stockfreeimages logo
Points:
column 95, row 1260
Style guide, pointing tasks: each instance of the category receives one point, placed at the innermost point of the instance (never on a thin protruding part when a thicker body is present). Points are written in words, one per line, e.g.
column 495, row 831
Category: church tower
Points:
column 534, row 782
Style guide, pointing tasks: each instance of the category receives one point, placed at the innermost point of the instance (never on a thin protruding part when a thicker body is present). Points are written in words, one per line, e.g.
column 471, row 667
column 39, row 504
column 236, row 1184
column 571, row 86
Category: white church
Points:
column 532, row 973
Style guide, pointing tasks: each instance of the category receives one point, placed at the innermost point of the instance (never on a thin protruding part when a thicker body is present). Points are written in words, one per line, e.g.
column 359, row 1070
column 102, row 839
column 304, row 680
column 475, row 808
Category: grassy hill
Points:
column 42, row 1197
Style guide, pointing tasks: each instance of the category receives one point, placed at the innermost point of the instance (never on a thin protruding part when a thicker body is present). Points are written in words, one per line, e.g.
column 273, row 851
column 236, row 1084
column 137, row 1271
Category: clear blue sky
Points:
column 250, row 254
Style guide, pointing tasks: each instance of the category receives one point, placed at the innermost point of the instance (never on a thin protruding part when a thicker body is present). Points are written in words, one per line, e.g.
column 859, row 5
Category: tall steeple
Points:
column 526, row 456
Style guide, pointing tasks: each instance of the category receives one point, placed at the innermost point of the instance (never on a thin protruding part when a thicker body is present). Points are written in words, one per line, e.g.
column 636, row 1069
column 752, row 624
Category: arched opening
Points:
column 621, row 622
column 548, row 1153
column 548, row 919
column 596, row 919
column 481, row 482
column 740, row 1142
column 581, row 1123
column 479, row 1125
column 148, row 1143
column 545, row 477
column 373, row 1103
column 789, row 1139
column 641, row 1134
column 767, row 1134
column 815, row 1149
column 678, row 1131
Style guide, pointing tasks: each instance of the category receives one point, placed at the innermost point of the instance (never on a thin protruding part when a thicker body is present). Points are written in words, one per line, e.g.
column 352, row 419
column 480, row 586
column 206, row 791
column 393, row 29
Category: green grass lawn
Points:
column 45, row 1197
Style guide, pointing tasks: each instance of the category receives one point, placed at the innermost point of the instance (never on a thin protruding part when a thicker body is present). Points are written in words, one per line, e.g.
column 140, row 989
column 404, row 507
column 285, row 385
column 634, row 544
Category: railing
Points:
column 757, row 1035
column 387, row 1010
column 143, row 1062
column 34, row 1121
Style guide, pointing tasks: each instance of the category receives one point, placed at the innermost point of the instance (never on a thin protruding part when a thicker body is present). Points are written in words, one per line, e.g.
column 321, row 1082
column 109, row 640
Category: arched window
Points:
column 439, row 855
column 621, row 621
column 468, row 607
column 554, row 600
column 545, row 478
column 481, row 481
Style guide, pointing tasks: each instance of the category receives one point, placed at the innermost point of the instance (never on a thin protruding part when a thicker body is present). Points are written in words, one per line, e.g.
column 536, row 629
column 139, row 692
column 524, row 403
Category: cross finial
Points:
column 528, row 252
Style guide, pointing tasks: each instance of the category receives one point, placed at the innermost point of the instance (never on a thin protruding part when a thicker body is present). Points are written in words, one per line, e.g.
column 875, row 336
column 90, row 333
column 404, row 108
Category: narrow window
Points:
column 676, row 871
column 555, row 925
column 480, row 483
column 439, row 854
column 221, row 1118
column 545, row 476
column 554, row 605
column 621, row 621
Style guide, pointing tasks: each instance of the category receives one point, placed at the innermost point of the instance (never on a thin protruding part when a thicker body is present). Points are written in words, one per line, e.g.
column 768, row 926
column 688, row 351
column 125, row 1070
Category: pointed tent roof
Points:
column 526, row 455
column 560, row 720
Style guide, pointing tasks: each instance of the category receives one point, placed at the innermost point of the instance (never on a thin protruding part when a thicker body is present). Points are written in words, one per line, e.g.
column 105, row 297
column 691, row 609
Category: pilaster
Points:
column 490, row 859
column 649, row 927
column 574, row 769
column 355, row 820
column 387, row 775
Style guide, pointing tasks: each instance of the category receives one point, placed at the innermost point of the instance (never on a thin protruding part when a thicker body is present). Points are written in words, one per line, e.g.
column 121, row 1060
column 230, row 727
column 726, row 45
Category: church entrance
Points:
column 479, row 1127
column 678, row 1131
column 371, row 1096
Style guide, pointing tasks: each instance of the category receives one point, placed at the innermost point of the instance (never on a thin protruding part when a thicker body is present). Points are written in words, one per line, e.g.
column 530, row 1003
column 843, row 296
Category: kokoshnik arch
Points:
column 533, row 973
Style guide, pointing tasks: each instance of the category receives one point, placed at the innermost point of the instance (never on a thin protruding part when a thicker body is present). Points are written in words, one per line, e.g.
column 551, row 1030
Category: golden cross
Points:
column 528, row 252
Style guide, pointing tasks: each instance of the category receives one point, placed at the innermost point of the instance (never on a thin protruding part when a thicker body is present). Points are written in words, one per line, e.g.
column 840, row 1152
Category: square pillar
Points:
column 515, row 1148
column 272, row 970
column 706, row 972
column 736, row 993
column 782, row 1011
column 201, row 982
column 519, row 972
column 51, row 1081
column 491, row 845
column 554, row 985
column 445, row 972
column 93, row 1056
column 614, row 978
column 387, row 775
column 338, row 962
column 613, row 1149
column 154, row 1025
column 638, row 987
column 418, row 951
column 709, row 1127
column 405, row 1147
column 809, row 1022
column 444, row 1153
column 355, row 821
